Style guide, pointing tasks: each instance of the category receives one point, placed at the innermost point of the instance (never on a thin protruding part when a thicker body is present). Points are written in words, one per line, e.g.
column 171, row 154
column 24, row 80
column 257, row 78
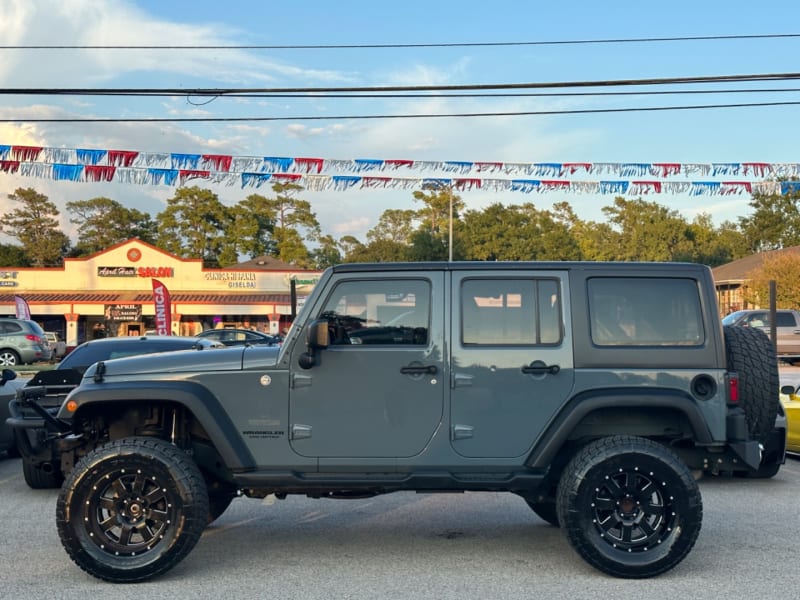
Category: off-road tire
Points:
column 751, row 355
column 629, row 506
column 132, row 509
column 39, row 479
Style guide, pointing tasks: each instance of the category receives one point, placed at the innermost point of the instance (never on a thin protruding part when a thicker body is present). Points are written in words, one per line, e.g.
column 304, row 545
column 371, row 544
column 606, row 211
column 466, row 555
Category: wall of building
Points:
column 114, row 288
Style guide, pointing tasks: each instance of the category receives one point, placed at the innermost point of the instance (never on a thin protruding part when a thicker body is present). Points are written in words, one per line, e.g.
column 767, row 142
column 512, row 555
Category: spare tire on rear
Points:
column 751, row 355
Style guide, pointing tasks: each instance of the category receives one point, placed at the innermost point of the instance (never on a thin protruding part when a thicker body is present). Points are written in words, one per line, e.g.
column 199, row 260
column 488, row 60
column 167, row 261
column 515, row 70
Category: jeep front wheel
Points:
column 132, row 509
column 629, row 506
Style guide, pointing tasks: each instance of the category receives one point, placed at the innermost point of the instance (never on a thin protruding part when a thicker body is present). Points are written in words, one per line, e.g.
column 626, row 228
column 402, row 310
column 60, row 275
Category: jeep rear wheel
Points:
column 751, row 355
column 132, row 509
column 629, row 506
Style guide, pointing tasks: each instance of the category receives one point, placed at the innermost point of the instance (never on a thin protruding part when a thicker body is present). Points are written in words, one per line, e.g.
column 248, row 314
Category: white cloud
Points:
column 120, row 22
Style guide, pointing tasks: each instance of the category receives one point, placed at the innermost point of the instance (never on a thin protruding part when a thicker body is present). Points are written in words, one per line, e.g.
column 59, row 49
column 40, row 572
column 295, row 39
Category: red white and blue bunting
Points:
column 319, row 174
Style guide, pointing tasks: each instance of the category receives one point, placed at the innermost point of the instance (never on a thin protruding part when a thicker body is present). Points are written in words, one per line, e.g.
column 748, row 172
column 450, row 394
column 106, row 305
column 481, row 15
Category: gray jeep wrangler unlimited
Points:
column 598, row 392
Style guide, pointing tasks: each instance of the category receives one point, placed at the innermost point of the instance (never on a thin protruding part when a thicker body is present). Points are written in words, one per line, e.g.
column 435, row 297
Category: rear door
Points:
column 512, row 364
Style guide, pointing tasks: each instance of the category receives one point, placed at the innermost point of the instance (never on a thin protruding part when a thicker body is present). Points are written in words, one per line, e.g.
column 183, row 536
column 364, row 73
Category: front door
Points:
column 378, row 390
column 512, row 360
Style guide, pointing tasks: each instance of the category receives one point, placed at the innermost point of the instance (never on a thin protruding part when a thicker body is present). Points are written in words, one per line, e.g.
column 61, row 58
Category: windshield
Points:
column 732, row 318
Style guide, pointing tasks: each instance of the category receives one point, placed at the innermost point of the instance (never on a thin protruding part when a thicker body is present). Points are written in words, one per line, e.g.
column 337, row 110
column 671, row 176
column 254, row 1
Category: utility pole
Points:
column 450, row 235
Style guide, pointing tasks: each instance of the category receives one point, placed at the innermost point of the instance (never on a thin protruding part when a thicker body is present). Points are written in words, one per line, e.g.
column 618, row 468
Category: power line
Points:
column 516, row 94
column 409, row 45
column 399, row 88
column 395, row 116
column 393, row 96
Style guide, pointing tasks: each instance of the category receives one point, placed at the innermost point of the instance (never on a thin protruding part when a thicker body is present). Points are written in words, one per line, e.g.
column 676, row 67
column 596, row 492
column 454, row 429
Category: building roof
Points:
column 739, row 270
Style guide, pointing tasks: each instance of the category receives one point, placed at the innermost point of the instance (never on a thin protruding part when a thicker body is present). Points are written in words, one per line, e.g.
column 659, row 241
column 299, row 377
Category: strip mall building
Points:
column 112, row 291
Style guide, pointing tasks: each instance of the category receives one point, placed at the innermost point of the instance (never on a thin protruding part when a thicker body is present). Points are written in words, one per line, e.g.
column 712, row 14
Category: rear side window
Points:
column 510, row 312
column 785, row 319
column 642, row 311
column 10, row 327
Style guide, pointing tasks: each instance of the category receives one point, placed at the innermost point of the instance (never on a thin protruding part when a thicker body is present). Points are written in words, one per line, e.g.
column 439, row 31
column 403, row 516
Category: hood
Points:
column 187, row 361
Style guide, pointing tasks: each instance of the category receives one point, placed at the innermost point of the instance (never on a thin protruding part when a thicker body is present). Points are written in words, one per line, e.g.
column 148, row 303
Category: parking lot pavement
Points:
column 416, row 546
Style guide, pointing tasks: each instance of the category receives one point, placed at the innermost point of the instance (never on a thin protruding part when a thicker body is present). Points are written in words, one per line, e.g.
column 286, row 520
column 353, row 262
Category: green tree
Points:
column 782, row 267
column 251, row 223
column 435, row 216
column 35, row 224
column 710, row 245
column 394, row 225
column 648, row 230
column 349, row 244
column 291, row 248
column 294, row 221
column 733, row 240
column 381, row 250
column 103, row 222
column 774, row 222
column 426, row 245
column 193, row 224
column 327, row 253
column 517, row 232
column 596, row 241
column 12, row 255
column 441, row 202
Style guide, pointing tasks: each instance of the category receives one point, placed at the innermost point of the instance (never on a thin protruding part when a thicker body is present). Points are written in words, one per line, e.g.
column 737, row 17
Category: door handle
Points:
column 419, row 370
column 538, row 367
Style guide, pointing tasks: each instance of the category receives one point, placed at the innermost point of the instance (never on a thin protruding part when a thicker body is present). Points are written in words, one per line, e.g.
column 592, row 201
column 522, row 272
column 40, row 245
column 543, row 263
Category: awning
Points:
column 128, row 297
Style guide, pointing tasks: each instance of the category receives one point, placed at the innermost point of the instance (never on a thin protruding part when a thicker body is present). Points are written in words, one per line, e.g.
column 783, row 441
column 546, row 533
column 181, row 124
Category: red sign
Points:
column 163, row 308
column 155, row 272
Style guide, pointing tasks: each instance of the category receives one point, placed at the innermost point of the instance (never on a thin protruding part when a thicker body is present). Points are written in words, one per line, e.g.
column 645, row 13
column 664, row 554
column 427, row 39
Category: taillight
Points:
column 733, row 388
column 34, row 338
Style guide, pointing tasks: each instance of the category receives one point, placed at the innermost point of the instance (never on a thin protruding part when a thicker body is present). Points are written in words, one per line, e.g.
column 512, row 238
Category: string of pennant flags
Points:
column 319, row 174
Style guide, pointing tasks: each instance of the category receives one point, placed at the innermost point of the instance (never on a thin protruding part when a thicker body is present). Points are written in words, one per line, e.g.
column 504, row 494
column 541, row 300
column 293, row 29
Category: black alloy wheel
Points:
column 629, row 506
column 132, row 509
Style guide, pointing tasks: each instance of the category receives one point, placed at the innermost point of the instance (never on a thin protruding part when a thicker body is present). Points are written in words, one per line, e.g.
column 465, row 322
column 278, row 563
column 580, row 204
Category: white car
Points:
column 58, row 347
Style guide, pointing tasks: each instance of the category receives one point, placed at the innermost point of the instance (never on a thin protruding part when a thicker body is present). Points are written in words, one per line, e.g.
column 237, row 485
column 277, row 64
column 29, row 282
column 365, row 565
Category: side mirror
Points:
column 316, row 339
column 7, row 375
column 787, row 390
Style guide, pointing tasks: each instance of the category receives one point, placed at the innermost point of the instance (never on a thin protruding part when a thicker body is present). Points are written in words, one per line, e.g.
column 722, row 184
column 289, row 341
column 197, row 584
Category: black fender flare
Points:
column 196, row 398
column 559, row 430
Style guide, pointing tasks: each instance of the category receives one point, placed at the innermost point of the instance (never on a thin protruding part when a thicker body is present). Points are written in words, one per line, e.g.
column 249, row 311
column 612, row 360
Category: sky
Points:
column 723, row 135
